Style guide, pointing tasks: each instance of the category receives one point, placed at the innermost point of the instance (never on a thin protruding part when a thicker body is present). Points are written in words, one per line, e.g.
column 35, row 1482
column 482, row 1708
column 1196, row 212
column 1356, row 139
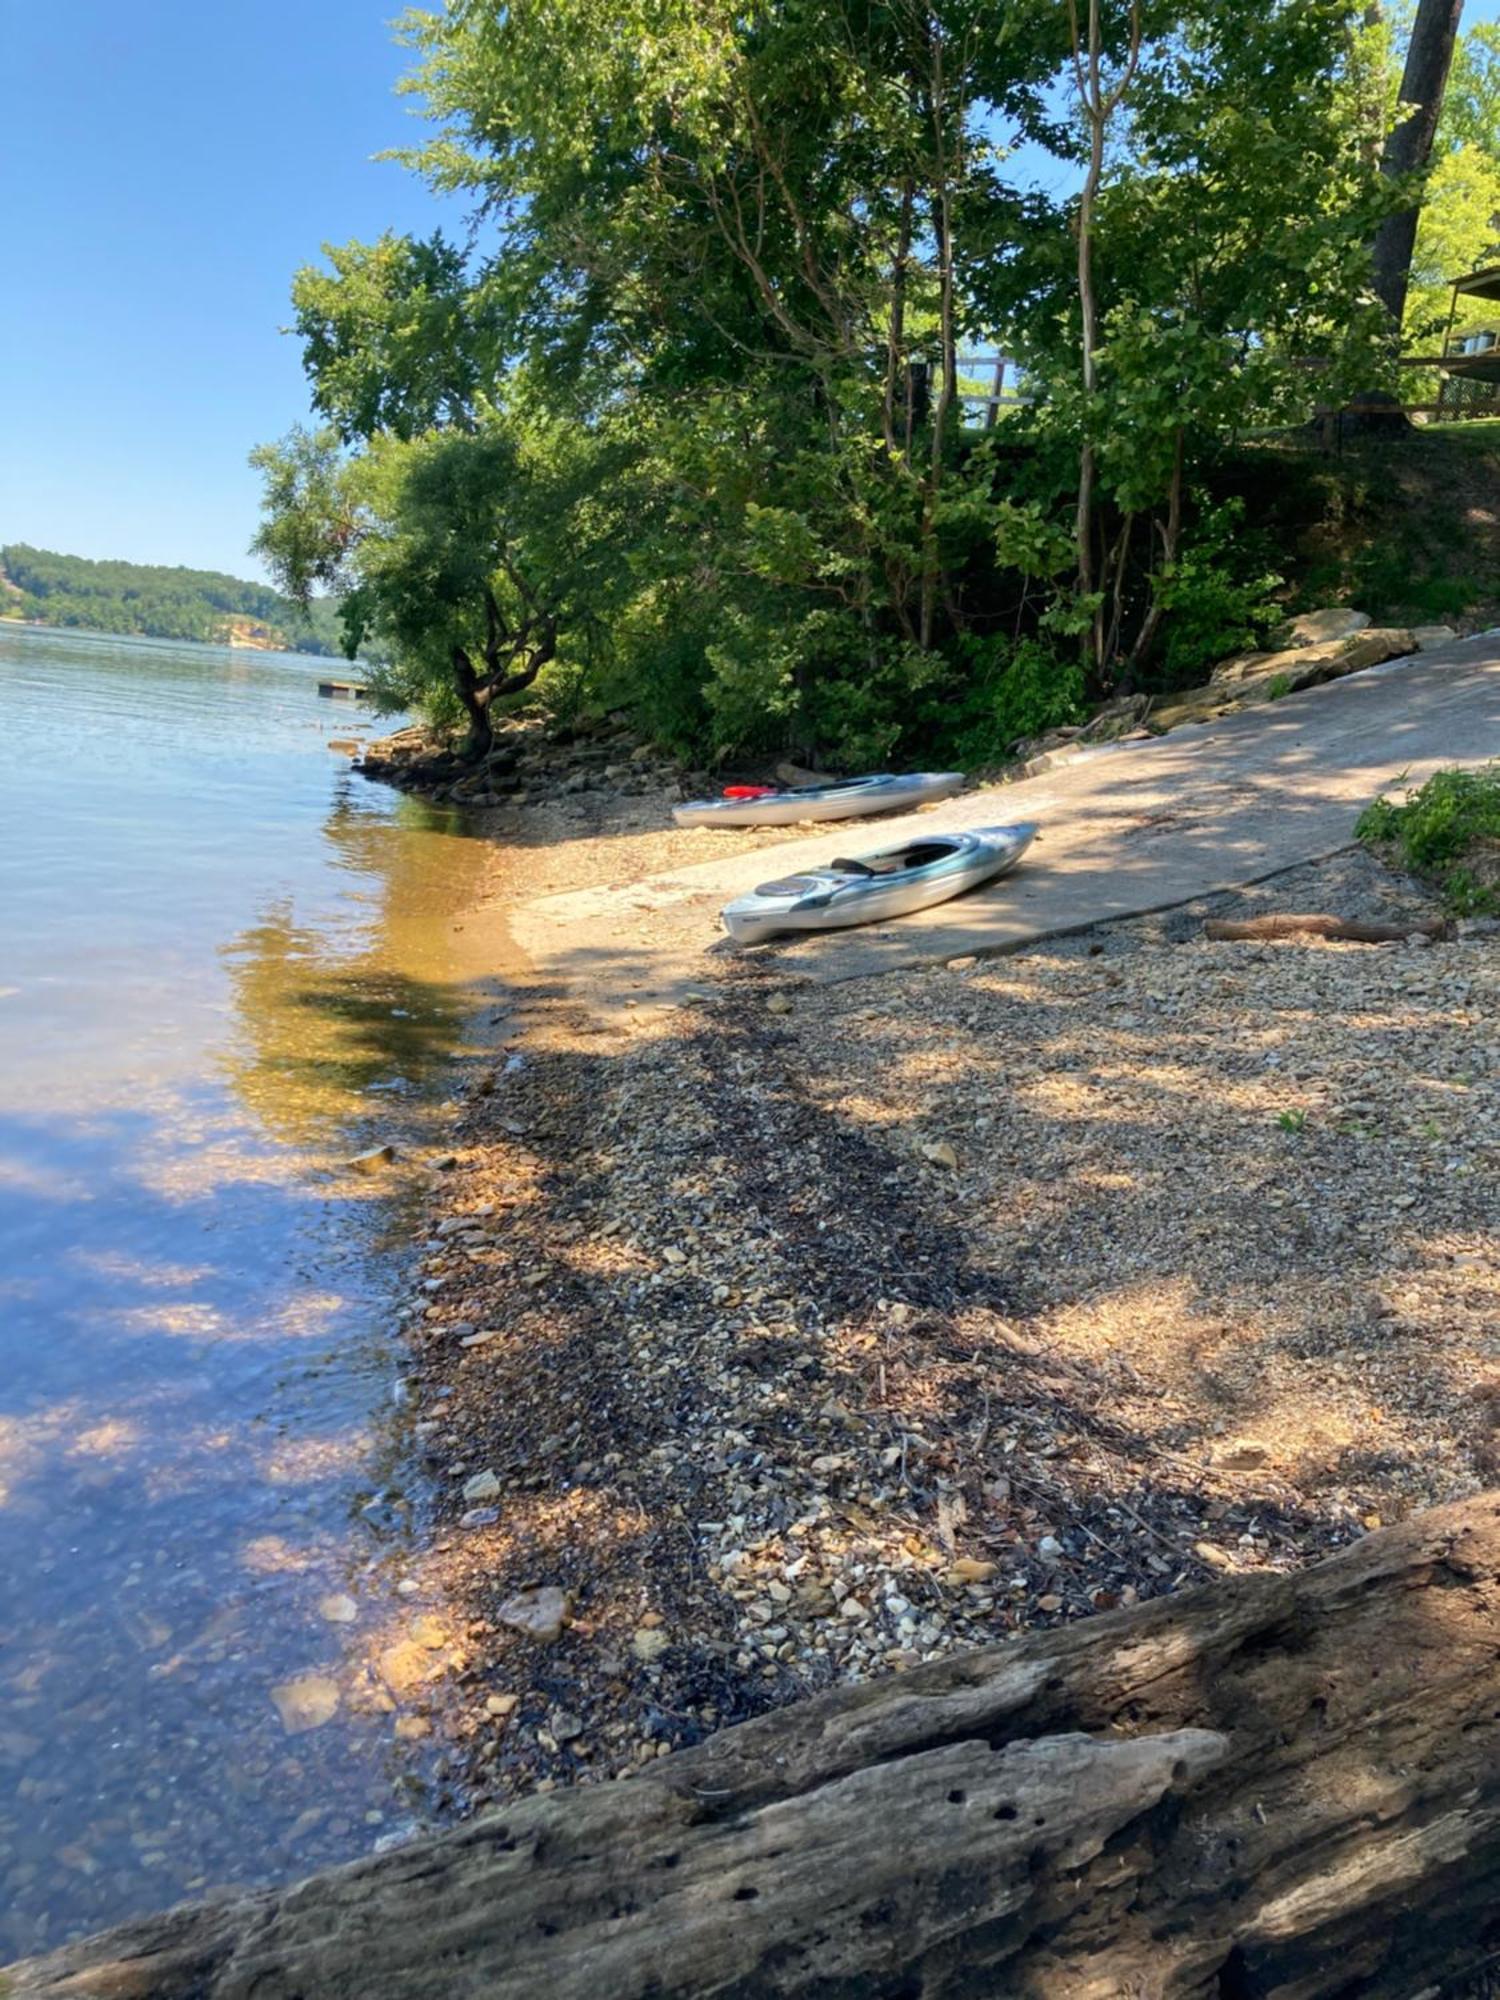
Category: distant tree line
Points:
column 155, row 601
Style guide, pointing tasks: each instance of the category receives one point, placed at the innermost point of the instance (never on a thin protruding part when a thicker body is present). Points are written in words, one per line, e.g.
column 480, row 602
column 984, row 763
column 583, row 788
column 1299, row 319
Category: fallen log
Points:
column 1276, row 1785
column 1345, row 930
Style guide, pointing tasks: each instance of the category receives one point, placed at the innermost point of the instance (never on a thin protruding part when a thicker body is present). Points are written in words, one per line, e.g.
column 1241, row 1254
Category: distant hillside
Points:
column 158, row 603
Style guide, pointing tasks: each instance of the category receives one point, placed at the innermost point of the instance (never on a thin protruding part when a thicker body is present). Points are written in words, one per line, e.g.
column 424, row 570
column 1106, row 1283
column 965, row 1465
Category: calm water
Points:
column 225, row 965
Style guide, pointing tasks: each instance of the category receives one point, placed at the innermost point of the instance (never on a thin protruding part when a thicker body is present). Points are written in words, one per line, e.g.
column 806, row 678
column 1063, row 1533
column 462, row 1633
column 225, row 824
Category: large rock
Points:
column 1307, row 666
column 1315, row 628
column 1249, row 678
column 1276, row 1788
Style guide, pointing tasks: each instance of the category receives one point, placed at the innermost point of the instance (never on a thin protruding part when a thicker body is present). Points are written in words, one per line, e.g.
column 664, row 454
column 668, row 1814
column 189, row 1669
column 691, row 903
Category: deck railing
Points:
column 1004, row 386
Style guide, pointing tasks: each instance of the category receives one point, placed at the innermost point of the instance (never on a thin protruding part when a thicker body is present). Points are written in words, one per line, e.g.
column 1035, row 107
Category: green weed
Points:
column 1292, row 1121
column 1447, row 831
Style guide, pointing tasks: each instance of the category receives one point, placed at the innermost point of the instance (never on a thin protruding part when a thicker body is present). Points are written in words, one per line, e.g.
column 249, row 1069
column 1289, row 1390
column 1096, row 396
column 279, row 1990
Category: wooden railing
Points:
column 1006, row 385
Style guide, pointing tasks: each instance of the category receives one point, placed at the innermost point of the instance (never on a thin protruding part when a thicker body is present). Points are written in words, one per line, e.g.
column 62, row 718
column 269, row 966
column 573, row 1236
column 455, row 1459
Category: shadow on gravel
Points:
column 778, row 1395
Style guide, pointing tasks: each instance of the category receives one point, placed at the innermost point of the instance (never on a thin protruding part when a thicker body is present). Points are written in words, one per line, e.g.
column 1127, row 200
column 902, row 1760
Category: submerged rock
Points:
column 306, row 1702
column 407, row 1665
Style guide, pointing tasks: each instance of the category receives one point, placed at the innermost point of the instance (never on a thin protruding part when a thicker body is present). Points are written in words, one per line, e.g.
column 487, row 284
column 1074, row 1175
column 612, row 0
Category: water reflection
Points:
column 324, row 1037
column 330, row 1033
column 196, row 1347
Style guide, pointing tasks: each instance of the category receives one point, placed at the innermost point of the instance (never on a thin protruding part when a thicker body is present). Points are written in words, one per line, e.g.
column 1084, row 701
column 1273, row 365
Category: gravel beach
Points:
column 807, row 1334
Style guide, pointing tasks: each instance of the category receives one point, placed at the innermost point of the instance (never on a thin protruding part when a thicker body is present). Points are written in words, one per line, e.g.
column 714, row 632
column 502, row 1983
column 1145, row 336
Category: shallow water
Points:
column 226, row 965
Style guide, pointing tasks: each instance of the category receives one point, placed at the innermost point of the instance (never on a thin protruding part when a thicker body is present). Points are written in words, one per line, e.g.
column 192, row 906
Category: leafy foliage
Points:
column 1448, row 830
column 465, row 554
column 682, row 428
column 1218, row 598
column 1016, row 689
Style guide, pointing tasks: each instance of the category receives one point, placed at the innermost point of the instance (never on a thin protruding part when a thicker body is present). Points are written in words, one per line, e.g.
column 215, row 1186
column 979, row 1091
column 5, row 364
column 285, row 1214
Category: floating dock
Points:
column 350, row 690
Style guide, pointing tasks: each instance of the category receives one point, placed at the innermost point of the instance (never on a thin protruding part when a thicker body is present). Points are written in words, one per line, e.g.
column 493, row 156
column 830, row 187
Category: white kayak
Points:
column 874, row 887
column 851, row 798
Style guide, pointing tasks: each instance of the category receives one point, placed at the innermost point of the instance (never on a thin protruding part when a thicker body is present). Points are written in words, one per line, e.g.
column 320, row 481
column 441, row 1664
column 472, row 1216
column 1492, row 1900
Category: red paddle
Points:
column 749, row 791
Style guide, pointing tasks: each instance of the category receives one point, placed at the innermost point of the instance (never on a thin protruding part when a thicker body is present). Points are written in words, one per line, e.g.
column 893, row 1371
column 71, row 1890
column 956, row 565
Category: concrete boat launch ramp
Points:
column 1125, row 829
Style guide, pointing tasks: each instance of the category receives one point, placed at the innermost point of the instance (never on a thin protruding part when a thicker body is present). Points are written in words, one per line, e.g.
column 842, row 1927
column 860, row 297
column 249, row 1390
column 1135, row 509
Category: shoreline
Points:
column 735, row 1376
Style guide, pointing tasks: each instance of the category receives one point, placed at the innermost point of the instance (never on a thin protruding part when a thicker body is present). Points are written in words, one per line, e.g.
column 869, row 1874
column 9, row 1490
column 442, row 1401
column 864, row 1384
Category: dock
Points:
column 348, row 690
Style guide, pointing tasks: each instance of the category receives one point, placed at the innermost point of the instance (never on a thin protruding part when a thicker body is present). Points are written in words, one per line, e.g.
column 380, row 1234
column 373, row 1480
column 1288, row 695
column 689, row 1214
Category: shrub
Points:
column 1449, row 831
column 1017, row 688
column 1218, row 599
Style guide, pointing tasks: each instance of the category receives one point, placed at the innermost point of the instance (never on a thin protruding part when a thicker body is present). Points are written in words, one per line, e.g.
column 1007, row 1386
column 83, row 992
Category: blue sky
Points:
column 164, row 168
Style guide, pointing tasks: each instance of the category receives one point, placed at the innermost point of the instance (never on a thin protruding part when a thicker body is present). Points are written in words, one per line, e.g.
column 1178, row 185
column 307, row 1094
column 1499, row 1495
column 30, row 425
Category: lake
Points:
column 227, row 964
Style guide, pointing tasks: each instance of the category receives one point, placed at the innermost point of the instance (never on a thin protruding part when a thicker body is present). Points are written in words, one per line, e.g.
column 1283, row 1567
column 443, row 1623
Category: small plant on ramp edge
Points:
column 1445, row 830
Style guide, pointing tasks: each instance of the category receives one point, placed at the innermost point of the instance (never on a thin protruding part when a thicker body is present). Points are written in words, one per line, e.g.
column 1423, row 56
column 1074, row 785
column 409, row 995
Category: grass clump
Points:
column 1447, row 831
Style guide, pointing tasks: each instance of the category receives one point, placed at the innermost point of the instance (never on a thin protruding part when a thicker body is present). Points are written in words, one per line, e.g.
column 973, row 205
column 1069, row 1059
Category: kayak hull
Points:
column 878, row 887
column 856, row 798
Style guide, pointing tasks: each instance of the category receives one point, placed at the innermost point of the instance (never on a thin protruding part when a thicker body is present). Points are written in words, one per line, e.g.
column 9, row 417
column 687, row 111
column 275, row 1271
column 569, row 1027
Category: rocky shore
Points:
column 803, row 1336
column 524, row 763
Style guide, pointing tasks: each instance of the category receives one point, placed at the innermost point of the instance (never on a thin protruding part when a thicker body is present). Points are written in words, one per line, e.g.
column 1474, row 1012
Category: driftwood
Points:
column 1345, row 930
column 1282, row 1786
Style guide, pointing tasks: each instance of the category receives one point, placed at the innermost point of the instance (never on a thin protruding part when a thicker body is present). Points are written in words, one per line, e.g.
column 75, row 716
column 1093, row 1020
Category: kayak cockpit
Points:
column 870, row 888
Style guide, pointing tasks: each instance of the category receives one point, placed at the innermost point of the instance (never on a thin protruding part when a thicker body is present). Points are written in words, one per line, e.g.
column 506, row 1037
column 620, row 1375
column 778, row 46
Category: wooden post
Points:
column 997, row 388
column 1443, row 377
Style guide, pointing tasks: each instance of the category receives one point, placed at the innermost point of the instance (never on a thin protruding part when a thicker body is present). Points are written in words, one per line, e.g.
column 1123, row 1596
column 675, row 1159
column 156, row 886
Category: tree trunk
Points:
column 1098, row 105
column 1280, row 1786
column 896, row 327
column 997, row 394
column 1084, row 522
column 1423, row 81
column 942, row 232
column 1170, row 541
column 476, row 701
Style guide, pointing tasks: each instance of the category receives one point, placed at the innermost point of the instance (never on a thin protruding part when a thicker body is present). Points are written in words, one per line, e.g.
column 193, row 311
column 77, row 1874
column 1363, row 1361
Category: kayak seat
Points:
column 920, row 855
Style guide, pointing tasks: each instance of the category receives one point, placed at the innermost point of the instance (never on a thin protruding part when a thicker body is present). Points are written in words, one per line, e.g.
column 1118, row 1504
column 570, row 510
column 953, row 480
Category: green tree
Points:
column 1459, row 232
column 395, row 338
column 1471, row 102
column 690, row 420
column 706, row 201
column 470, row 556
column 1229, row 235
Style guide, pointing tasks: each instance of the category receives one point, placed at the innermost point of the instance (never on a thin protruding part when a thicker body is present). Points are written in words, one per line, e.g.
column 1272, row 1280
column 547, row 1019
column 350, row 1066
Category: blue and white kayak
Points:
column 851, row 798
column 874, row 887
